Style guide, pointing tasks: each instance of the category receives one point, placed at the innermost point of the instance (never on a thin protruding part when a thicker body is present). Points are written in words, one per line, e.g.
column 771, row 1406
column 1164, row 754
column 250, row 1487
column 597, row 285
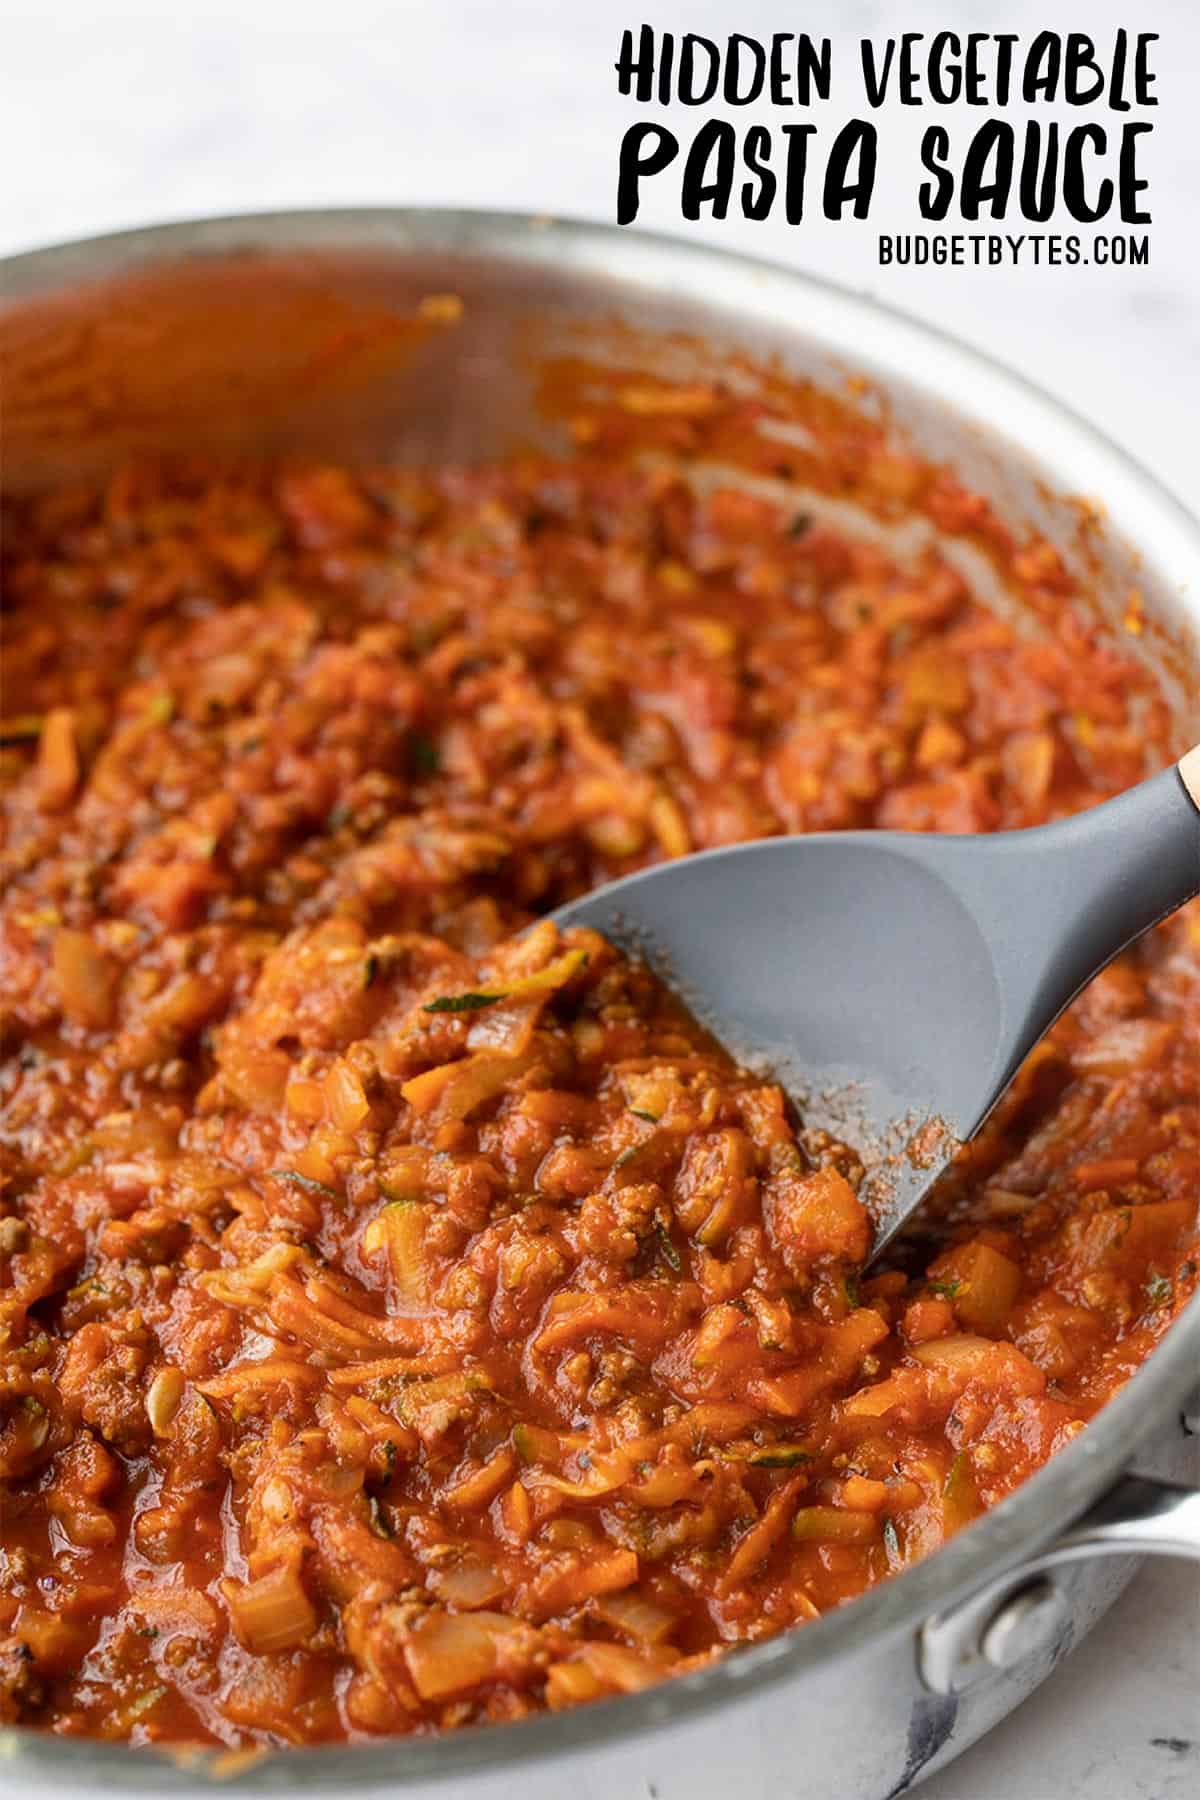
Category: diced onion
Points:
column 450, row 1653
column 272, row 1612
column 399, row 1229
column 85, row 978
column 468, row 1585
column 346, row 1104
column 162, row 1399
column 638, row 1618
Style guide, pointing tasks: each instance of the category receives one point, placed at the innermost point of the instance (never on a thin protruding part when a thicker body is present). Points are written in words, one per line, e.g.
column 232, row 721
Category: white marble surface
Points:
column 114, row 115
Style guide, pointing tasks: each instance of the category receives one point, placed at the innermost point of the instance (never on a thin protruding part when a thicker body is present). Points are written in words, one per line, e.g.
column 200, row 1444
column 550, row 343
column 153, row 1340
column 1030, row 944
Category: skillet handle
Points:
column 1024, row 1611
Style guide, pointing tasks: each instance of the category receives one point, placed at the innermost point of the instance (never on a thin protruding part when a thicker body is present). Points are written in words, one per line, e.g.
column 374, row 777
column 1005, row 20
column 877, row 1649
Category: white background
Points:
column 113, row 116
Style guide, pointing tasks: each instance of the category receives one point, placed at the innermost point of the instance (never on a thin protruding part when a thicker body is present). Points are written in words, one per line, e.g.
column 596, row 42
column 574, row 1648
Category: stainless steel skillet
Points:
column 212, row 332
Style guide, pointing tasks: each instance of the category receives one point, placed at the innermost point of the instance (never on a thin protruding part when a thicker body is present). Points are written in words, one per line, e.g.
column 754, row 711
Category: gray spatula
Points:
column 894, row 982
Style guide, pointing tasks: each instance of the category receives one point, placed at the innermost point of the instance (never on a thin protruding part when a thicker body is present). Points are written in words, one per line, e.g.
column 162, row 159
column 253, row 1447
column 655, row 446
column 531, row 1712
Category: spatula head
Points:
column 845, row 967
column 893, row 982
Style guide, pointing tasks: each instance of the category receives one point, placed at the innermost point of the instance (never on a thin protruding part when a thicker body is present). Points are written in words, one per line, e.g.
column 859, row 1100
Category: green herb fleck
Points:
column 670, row 1254
column 626, row 1156
column 958, row 1476
column 852, row 1291
column 945, row 1290
column 1159, row 1289
column 425, row 755
column 460, row 1003
column 650, row 1118
column 89, row 1285
column 23, row 728
column 397, row 1196
column 304, row 1181
column 779, row 1456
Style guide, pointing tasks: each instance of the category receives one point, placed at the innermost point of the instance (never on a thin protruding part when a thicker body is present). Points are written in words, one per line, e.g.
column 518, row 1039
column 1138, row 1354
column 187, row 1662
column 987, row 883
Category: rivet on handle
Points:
column 1023, row 1613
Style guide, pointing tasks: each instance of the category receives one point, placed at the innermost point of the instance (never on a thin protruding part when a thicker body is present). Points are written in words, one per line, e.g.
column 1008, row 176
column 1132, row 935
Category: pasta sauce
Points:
column 409, row 1317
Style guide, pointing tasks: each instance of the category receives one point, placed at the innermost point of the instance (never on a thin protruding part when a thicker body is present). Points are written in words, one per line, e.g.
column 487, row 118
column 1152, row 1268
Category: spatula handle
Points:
column 1096, row 881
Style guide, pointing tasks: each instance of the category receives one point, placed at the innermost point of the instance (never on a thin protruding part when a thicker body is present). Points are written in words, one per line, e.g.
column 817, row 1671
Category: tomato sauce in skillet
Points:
column 410, row 1318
